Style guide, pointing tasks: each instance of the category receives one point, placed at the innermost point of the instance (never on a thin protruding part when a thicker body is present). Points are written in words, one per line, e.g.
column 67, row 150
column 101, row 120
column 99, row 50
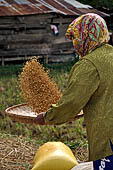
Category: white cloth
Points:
column 55, row 29
column 84, row 166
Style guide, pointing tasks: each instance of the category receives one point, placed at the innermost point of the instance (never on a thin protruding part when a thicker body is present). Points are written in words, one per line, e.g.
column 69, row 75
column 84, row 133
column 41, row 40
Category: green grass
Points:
column 73, row 134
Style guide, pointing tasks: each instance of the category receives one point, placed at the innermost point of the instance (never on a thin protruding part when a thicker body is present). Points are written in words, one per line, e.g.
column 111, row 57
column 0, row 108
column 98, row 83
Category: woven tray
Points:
column 23, row 113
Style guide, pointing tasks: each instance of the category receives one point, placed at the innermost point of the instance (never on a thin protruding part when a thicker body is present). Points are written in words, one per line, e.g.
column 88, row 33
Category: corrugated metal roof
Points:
column 77, row 4
column 27, row 7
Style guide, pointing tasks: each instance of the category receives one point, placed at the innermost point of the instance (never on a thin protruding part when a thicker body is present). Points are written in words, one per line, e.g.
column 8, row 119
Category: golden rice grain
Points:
column 38, row 90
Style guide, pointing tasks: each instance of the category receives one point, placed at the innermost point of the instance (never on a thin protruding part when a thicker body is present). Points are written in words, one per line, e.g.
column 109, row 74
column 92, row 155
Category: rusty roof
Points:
column 28, row 7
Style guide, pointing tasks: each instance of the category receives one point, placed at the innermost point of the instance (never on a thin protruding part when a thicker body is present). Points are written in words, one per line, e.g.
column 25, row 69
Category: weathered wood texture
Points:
column 84, row 166
column 30, row 35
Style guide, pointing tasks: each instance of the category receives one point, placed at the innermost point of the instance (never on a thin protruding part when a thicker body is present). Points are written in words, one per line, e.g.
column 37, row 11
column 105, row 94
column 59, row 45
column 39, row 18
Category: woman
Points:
column 90, row 87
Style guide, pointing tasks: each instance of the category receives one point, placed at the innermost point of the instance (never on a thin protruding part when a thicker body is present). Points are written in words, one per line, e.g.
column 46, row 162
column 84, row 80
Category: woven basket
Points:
column 21, row 113
column 84, row 166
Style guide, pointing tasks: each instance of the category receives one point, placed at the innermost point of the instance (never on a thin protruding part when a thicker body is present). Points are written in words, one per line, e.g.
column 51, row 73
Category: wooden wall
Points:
column 31, row 35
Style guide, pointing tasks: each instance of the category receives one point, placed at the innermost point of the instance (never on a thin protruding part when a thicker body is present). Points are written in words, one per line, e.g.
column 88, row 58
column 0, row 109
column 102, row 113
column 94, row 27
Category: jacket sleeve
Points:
column 83, row 82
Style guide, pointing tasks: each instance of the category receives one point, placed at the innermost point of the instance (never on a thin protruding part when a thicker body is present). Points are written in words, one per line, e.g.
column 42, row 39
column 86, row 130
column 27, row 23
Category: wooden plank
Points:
column 63, row 27
column 63, row 32
column 32, row 20
column 23, row 30
column 62, row 45
column 60, row 58
column 25, row 38
column 10, row 25
column 27, row 18
column 30, row 52
column 8, row 20
column 29, row 47
column 36, row 25
column 18, row 26
column 35, row 31
column 62, row 20
column 22, row 52
column 15, row 58
column 38, row 18
column 21, row 46
column 18, row 58
column 24, row 18
column 6, row 32
column 60, row 39
column 61, row 52
column 47, row 58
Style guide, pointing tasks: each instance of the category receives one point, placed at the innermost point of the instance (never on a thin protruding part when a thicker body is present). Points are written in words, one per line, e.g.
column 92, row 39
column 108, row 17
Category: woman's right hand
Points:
column 39, row 120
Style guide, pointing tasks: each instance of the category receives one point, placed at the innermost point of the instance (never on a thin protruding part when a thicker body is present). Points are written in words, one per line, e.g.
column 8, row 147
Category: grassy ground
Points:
column 19, row 141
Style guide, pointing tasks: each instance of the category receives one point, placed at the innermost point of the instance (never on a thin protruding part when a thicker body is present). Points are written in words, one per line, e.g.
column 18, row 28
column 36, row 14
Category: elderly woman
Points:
column 90, row 87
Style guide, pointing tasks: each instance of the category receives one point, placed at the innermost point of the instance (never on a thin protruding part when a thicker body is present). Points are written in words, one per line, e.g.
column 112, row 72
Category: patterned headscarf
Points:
column 88, row 32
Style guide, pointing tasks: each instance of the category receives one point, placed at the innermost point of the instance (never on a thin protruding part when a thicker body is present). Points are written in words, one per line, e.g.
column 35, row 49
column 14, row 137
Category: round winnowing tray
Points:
column 21, row 113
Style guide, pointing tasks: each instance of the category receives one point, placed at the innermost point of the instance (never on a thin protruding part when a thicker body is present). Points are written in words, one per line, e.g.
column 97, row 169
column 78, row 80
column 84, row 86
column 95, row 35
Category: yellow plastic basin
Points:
column 54, row 156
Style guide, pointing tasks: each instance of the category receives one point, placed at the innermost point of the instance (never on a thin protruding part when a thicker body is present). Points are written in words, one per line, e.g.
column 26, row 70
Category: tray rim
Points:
column 18, row 115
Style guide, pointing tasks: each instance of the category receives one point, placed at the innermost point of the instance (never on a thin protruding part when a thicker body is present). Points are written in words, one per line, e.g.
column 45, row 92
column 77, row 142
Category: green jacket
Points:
column 90, row 87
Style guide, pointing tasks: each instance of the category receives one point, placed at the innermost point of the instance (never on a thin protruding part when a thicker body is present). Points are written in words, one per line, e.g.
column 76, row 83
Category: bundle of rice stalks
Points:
column 38, row 90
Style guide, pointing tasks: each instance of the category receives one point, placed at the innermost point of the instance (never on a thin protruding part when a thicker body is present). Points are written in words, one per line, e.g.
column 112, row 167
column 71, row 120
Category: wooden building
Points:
column 37, row 28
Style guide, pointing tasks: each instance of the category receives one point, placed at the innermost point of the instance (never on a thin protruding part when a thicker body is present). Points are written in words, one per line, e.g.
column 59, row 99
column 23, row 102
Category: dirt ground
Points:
column 17, row 153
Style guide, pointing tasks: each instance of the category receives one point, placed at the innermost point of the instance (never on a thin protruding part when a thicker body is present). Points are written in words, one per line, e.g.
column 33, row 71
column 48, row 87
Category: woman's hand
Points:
column 39, row 120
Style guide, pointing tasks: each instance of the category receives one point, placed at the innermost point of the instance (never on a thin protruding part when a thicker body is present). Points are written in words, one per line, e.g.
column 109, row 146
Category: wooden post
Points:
column 46, row 59
column 2, row 61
